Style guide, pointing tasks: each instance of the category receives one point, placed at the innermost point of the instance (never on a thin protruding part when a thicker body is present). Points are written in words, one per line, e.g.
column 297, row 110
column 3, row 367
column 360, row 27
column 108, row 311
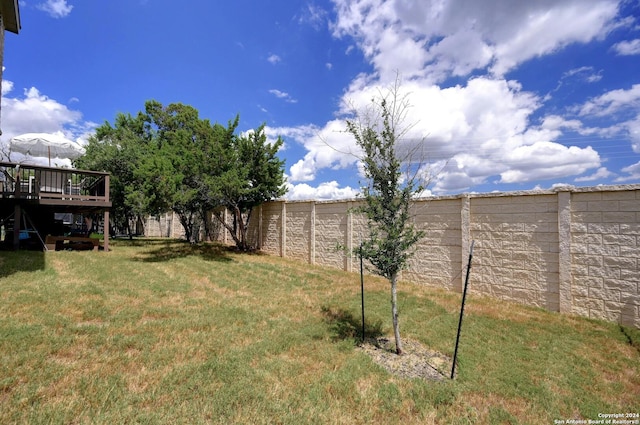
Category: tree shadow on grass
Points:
column 344, row 325
column 172, row 249
column 632, row 336
column 21, row 261
column 142, row 241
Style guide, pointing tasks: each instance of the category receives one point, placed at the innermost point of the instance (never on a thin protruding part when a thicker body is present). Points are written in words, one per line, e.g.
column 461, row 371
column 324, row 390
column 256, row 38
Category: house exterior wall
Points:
column 1, row 57
column 9, row 21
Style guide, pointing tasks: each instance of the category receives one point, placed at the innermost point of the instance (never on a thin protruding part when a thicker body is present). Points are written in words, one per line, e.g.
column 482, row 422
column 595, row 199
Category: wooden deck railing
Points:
column 57, row 185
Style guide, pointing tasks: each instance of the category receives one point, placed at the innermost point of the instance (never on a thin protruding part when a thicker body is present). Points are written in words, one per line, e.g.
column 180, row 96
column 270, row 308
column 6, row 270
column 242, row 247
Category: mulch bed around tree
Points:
column 417, row 361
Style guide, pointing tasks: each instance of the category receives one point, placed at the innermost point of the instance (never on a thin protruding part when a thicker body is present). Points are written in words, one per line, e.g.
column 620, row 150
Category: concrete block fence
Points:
column 570, row 250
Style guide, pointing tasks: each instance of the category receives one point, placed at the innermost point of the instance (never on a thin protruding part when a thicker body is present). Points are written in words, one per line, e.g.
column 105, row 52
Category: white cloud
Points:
column 287, row 133
column 328, row 147
column 436, row 39
column 465, row 134
column 34, row 112
column 324, row 191
column 454, row 174
column 601, row 173
column 472, row 53
column 612, row 102
column 7, row 87
column 633, row 172
column 552, row 25
column 274, row 59
column 303, row 171
column 622, row 108
column 313, row 15
column 584, row 73
column 632, row 128
column 628, row 48
column 56, row 8
column 480, row 131
column 547, row 160
column 283, row 95
column 555, row 123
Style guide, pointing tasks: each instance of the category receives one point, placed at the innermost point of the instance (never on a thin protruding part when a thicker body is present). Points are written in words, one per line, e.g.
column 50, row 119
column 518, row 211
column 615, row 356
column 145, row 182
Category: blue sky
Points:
column 500, row 95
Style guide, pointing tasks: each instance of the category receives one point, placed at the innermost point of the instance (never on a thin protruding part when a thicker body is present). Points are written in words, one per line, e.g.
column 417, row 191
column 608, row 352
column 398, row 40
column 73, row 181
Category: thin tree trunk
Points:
column 129, row 232
column 230, row 228
column 394, row 313
column 140, row 222
column 186, row 225
column 244, row 225
column 207, row 225
column 239, row 228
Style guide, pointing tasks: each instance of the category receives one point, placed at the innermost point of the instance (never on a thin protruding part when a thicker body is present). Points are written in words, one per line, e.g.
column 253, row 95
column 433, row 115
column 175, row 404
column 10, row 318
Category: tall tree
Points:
column 119, row 149
column 168, row 159
column 388, row 194
column 213, row 160
column 251, row 174
column 171, row 173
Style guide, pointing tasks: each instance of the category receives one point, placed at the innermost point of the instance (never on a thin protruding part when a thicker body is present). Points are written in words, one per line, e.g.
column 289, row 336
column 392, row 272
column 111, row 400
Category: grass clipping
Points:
column 417, row 361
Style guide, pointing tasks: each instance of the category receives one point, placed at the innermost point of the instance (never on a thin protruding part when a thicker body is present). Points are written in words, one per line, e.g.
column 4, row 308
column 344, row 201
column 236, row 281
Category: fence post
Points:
column 260, row 227
column 105, row 230
column 465, row 228
column 283, row 231
column 348, row 260
column 564, row 252
column 312, row 236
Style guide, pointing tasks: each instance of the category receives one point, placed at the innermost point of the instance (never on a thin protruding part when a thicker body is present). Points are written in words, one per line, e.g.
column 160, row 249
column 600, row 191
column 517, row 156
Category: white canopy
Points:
column 46, row 145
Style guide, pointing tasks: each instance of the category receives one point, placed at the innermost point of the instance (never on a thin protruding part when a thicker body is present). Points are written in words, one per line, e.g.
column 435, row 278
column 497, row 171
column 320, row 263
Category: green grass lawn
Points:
column 164, row 332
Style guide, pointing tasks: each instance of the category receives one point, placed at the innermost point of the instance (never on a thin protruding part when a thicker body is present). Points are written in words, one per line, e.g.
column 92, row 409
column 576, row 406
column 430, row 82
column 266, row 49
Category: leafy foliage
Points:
column 387, row 200
column 119, row 149
column 251, row 175
column 168, row 159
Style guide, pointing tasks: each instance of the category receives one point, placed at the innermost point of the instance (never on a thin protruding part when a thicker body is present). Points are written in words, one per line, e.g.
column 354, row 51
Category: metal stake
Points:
column 362, row 290
column 464, row 296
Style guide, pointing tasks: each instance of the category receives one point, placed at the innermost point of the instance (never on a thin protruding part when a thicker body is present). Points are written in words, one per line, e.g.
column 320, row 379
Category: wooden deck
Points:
column 40, row 192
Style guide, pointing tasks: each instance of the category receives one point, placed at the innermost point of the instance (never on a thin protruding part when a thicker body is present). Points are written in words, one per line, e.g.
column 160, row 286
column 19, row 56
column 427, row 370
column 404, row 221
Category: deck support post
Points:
column 17, row 219
column 106, row 231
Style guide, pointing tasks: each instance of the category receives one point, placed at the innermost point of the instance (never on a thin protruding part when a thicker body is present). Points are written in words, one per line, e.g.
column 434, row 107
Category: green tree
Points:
column 168, row 159
column 119, row 149
column 213, row 160
column 388, row 194
column 250, row 175
column 171, row 171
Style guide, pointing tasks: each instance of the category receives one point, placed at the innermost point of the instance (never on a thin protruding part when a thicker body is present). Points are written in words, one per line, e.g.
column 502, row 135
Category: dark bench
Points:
column 54, row 243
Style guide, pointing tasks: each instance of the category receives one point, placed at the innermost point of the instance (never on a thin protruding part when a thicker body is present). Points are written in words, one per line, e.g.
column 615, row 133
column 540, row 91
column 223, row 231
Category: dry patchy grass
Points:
column 163, row 332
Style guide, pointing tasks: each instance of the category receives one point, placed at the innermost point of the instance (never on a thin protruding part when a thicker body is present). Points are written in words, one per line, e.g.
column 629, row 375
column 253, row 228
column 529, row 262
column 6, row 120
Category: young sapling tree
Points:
column 388, row 192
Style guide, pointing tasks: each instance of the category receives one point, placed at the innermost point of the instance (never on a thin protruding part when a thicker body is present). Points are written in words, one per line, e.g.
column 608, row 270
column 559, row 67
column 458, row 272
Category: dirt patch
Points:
column 417, row 361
